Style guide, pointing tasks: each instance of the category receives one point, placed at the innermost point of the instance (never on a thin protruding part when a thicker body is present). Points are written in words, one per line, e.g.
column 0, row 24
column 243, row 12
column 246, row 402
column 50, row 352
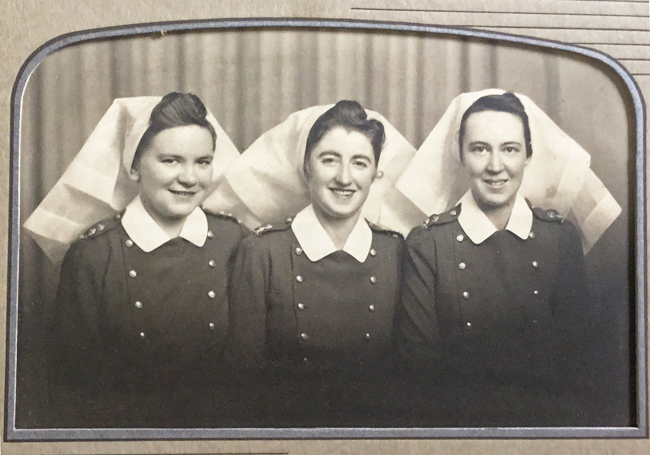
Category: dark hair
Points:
column 350, row 116
column 506, row 102
column 175, row 109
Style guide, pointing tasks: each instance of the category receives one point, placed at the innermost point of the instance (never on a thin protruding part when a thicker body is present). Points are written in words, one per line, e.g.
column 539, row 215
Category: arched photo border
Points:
column 639, row 223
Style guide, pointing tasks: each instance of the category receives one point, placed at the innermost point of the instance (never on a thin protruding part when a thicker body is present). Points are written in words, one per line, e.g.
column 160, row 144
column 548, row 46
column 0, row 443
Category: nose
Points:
column 187, row 176
column 495, row 164
column 343, row 175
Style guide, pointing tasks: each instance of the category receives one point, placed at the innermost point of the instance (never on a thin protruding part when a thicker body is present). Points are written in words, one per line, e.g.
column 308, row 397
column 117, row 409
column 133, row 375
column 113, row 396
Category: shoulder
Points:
column 102, row 228
column 94, row 245
column 557, row 226
column 384, row 232
column 226, row 225
column 548, row 216
column 272, row 230
column 434, row 225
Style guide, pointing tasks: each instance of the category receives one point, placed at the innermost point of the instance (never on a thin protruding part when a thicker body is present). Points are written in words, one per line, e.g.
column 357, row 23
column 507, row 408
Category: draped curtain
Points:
column 252, row 79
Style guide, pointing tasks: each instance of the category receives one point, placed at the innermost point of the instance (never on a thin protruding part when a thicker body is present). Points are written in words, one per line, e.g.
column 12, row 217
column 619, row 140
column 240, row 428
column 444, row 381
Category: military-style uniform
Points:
column 482, row 310
column 135, row 329
column 319, row 321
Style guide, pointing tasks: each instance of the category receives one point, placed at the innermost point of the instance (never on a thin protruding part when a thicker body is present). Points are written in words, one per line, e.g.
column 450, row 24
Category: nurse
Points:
column 494, row 289
column 313, row 299
column 141, row 313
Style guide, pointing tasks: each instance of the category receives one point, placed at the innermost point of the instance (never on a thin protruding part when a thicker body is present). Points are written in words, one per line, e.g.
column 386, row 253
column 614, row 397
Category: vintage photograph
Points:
column 274, row 228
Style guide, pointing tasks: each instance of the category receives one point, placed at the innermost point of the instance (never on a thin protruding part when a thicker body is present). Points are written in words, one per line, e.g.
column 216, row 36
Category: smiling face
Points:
column 340, row 170
column 494, row 156
column 174, row 172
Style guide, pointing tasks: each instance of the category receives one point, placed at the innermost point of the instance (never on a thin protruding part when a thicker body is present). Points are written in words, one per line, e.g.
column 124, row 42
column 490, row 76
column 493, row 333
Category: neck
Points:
column 171, row 227
column 499, row 216
column 338, row 229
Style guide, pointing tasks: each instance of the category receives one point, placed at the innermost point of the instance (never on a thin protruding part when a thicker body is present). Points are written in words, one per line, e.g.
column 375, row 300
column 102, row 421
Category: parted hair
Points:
column 350, row 116
column 506, row 102
column 175, row 109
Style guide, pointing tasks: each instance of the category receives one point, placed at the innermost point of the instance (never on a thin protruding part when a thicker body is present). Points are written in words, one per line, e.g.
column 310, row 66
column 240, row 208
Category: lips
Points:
column 495, row 183
column 185, row 194
column 342, row 193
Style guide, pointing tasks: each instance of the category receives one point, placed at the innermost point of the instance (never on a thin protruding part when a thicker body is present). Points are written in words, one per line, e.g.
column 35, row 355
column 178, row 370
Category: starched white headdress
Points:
column 267, row 184
column 558, row 175
column 96, row 184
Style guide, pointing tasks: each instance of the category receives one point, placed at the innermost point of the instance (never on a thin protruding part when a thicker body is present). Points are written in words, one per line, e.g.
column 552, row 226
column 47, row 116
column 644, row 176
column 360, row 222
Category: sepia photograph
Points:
column 310, row 229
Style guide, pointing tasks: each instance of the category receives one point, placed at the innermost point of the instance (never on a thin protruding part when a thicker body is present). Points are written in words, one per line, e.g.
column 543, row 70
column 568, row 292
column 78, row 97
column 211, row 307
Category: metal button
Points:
column 301, row 306
column 535, row 264
column 466, row 295
column 469, row 324
column 536, row 292
column 462, row 266
column 210, row 234
column 371, row 308
column 138, row 304
column 305, row 360
column 373, row 279
column 434, row 218
column 133, row 273
column 211, row 325
column 128, row 243
column 298, row 250
column 304, row 336
column 531, row 235
column 118, row 216
column 211, row 294
column 453, row 213
column 289, row 220
column 373, row 252
column 367, row 336
column 142, row 335
column 212, row 263
column 300, row 279
column 460, row 237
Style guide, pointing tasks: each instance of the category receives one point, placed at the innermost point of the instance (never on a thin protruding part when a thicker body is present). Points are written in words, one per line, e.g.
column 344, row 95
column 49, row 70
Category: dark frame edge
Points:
column 11, row 434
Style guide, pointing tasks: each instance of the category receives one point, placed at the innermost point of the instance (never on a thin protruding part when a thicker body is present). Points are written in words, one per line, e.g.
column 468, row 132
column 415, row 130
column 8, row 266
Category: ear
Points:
column 528, row 160
column 134, row 174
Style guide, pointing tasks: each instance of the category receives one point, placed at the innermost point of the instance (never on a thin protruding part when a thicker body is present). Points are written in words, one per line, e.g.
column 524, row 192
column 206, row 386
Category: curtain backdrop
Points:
column 253, row 79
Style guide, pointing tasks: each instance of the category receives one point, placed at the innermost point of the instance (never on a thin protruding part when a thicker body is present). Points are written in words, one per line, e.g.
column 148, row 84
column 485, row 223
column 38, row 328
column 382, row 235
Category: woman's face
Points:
column 494, row 156
column 174, row 172
column 340, row 170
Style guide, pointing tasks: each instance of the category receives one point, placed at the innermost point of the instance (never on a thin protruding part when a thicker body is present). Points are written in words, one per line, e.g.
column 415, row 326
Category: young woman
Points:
column 141, row 314
column 313, row 299
column 494, row 289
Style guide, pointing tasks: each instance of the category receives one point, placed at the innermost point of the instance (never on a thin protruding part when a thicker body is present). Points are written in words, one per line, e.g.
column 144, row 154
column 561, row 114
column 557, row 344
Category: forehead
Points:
column 344, row 142
column 188, row 140
column 491, row 126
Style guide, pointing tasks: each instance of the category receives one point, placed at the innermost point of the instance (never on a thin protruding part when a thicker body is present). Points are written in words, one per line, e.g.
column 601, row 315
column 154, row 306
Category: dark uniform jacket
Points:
column 133, row 330
column 322, row 332
column 483, row 320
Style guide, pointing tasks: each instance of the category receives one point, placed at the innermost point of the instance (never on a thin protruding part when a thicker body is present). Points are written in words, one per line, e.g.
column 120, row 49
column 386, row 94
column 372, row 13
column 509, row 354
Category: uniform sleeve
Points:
column 247, row 304
column 417, row 330
column 75, row 351
column 572, row 306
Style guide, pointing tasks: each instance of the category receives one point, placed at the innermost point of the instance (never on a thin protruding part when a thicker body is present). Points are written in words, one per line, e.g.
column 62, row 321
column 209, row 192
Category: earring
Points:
column 380, row 174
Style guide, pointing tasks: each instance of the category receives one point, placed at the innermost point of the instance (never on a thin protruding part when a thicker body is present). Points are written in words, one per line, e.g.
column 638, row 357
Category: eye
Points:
column 511, row 149
column 328, row 160
column 479, row 149
column 361, row 164
column 205, row 162
column 169, row 160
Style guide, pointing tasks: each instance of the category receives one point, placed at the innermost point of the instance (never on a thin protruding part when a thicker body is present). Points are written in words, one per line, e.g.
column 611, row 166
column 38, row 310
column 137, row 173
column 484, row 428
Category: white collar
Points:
column 478, row 226
column 317, row 244
column 148, row 235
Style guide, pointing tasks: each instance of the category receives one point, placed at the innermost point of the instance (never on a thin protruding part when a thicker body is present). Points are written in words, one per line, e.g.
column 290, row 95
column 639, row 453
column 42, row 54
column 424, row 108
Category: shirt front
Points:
column 148, row 235
column 478, row 226
column 317, row 244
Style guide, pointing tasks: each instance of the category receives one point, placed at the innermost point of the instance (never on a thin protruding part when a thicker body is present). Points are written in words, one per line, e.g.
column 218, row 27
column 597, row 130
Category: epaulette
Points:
column 225, row 216
column 442, row 218
column 266, row 228
column 100, row 228
column 382, row 230
column 551, row 215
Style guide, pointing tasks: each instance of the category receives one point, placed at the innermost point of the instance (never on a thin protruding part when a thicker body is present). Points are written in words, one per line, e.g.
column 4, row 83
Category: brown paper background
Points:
column 27, row 24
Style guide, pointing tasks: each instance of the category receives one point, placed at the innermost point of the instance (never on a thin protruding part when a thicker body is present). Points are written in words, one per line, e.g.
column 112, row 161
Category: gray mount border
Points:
column 640, row 285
